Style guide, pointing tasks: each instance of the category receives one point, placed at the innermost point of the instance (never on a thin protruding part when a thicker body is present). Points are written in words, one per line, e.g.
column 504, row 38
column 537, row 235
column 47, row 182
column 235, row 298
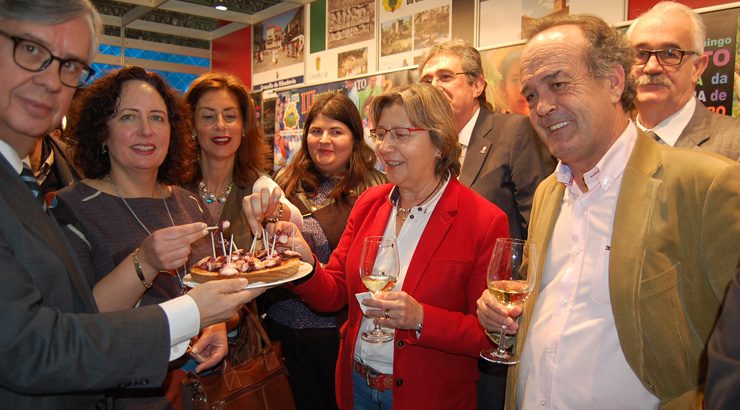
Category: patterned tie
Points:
column 33, row 184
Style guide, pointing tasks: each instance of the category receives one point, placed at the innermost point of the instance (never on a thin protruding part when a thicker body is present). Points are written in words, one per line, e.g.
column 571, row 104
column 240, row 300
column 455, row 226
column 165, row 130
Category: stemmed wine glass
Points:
column 379, row 268
column 511, row 277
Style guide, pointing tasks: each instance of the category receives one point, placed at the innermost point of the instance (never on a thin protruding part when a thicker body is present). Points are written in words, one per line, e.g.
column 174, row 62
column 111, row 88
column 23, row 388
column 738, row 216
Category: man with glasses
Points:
column 59, row 351
column 502, row 158
column 669, row 60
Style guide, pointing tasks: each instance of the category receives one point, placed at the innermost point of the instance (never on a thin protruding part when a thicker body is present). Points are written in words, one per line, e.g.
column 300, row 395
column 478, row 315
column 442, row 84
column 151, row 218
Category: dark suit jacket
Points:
column 723, row 375
column 504, row 163
column 446, row 275
column 674, row 247
column 712, row 132
column 57, row 351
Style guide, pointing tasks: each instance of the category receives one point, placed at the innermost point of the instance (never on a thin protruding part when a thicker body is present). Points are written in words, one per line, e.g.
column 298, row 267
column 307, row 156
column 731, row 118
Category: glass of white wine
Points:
column 511, row 277
column 379, row 268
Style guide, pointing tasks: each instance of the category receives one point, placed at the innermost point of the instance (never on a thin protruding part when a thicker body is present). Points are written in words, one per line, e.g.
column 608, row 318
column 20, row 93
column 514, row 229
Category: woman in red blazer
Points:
column 445, row 233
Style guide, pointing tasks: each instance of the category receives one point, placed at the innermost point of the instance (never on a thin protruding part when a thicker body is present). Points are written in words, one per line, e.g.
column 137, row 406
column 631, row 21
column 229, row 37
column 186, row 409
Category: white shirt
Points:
column 183, row 315
column 379, row 356
column 466, row 133
column 671, row 128
column 572, row 358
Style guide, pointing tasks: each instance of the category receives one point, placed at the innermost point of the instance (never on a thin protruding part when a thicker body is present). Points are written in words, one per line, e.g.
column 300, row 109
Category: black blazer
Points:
column 504, row 163
column 57, row 351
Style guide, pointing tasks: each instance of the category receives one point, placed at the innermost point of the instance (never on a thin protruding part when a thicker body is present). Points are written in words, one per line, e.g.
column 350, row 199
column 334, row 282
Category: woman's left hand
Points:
column 211, row 346
column 396, row 310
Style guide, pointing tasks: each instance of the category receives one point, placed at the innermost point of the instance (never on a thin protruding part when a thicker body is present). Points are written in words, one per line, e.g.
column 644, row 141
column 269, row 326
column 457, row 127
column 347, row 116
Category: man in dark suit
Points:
column 669, row 39
column 60, row 352
column 502, row 158
column 723, row 374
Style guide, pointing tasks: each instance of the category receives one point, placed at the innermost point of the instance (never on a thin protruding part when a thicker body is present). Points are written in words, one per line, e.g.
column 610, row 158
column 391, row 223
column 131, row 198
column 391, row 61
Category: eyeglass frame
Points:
column 652, row 53
column 443, row 81
column 46, row 63
column 379, row 140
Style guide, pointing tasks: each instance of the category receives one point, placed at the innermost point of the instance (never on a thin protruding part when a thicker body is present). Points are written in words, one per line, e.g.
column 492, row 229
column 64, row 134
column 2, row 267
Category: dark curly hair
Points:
column 87, row 125
column 302, row 173
column 251, row 156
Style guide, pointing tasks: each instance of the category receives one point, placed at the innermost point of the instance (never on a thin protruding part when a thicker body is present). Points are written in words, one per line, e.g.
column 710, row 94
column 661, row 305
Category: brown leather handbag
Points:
column 252, row 376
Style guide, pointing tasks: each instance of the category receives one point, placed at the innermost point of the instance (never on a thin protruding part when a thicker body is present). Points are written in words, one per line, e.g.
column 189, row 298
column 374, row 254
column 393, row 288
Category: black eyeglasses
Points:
column 32, row 56
column 444, row 76
column 399, row 135
column 666, row 56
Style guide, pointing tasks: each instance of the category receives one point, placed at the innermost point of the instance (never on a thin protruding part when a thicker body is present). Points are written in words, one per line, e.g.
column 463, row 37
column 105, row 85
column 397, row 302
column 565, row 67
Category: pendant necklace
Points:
column 211, row 198
column 172, row 221
column 403, row 213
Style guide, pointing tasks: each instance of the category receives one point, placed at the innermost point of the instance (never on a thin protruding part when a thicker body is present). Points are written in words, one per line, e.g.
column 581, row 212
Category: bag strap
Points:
column 266, row 343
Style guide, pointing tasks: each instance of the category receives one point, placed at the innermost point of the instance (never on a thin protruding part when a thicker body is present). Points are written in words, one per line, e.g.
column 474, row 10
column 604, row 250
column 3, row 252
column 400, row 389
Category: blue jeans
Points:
column 367, row 398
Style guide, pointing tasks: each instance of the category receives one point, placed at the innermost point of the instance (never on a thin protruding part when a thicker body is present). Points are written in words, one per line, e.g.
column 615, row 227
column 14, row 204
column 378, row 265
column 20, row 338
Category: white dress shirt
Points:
column 465, row 134
column 379, row 356
column 183, row 315
column 572, row 358
column 671, row 128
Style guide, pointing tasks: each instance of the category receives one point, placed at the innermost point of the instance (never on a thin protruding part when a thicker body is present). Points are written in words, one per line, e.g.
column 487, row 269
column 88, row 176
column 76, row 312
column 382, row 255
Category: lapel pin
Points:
column 484, row 150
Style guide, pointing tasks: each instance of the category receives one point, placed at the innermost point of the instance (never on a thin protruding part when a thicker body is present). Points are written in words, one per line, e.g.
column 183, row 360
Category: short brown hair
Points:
column 302, row 173
column 251, row 156
column 427, row 108
column 87, row 125
column 606, row 46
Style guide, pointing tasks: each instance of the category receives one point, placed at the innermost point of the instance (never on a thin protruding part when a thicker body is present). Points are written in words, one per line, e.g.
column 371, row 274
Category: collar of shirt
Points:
column 11, row 156
column 609, row 167
column 467, row 132
column 671, row 128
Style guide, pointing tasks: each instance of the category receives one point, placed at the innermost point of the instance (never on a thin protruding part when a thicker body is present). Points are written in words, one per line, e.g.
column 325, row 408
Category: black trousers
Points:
column 491, row 385
column 311, row 358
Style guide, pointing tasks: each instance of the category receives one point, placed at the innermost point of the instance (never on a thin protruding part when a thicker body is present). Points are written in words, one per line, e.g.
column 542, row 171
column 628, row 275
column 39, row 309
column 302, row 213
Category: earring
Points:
column 103, row 149
column 194, row 137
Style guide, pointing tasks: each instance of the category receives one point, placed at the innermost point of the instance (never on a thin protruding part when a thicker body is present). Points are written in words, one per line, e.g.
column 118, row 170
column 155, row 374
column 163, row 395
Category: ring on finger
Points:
column 386, row 314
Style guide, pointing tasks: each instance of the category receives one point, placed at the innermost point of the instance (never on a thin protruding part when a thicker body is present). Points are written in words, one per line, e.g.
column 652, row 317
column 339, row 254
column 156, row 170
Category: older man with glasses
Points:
column 60, row 352
column 669, row 60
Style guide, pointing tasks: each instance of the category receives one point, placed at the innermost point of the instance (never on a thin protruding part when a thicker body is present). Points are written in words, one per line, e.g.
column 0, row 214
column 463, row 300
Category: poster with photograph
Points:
column 352, row 62
column 407, row 28
column 350, row 21
column 278, row 44
column 503, row 21
column 395, row 36
column 503, row 88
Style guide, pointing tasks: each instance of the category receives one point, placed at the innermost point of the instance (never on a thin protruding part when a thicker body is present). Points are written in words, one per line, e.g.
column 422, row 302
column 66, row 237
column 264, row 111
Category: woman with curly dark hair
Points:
column 129, row 135
column 332, row 168
column 232, row 154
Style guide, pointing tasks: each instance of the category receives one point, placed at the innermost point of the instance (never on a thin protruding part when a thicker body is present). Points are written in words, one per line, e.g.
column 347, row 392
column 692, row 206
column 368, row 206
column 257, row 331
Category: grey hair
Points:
column 54, row 12
column 469, row 59
column 700, row 30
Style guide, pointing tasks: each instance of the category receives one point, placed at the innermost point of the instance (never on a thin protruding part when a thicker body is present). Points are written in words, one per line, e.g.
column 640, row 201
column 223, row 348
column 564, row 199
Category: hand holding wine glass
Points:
column 511, row 276
column 379, row 267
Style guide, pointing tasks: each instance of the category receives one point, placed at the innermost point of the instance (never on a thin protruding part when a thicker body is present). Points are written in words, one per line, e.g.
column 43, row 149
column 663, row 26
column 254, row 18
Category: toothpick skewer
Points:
column 213, row 245
column 231, row 246
column 292, row 237
column 223, row 247
column 254, row 244
column 272, row 250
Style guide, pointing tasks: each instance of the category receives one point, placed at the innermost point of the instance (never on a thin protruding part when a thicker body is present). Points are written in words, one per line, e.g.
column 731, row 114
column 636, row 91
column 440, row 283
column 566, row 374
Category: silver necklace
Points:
column 403, row 213
column 131, row 211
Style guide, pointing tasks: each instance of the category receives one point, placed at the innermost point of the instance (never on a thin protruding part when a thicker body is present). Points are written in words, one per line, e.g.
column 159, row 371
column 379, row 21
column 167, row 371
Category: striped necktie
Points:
column 33, row 184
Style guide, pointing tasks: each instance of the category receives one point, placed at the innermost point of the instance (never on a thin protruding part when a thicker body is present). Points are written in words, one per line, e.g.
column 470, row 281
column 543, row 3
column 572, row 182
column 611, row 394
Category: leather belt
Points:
column 378, row 381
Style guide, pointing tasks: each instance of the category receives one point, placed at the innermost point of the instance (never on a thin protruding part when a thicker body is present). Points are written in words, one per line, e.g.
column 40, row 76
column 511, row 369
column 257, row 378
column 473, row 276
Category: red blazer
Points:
column 447, row 275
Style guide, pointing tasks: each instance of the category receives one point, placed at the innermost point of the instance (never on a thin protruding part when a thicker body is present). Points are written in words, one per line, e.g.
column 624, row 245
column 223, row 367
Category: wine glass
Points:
column 379, row 272
column 510, row 277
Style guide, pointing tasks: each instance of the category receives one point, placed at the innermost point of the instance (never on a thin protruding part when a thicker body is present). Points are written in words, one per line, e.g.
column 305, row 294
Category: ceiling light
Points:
column 220, row 5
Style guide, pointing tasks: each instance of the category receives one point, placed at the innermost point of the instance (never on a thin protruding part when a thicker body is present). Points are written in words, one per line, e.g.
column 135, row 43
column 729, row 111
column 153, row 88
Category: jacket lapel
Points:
column 479, row 148
column 42, row 225
column 697, row 130
column 434, row 235
column 628, row 244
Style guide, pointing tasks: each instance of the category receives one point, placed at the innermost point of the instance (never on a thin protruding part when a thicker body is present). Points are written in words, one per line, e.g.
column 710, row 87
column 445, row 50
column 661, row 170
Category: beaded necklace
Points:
column 403, row 213
column 211, row 198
